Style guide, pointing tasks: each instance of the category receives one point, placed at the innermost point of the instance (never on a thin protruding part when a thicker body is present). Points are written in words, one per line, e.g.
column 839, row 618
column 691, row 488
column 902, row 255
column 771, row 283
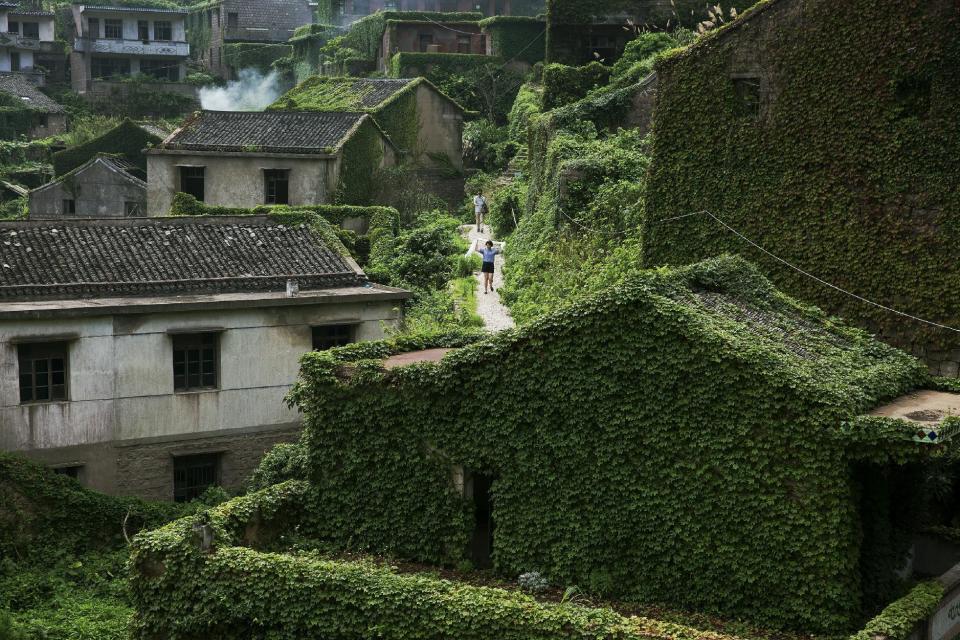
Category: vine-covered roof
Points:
column 319, row 93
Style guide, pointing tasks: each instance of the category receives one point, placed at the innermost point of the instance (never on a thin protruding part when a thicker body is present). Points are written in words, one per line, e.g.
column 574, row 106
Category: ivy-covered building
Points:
column 345, row 12
column 230, row 35
column 27, row 111
column 248, row 159
column 423, row 122
column 106, row 186
column 827, row 133
column 126, row 140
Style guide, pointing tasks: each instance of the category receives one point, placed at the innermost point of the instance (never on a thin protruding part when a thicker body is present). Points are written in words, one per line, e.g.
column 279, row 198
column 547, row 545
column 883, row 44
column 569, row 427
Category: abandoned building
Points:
column 345, row 12
column 248, row 159
column 27, row 42
column 126, row 140
column 424, row 36
column 115, row 42
column 151, row 357
column 791, row 157
column 226, row 28
column 104, row 187
column 41, row 115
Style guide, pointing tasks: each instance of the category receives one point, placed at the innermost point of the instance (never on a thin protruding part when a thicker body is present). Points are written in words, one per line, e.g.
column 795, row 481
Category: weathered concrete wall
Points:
column 236, row 180
column 120, row 386
column 441, row 128
column 55, row 125
column 97, row 192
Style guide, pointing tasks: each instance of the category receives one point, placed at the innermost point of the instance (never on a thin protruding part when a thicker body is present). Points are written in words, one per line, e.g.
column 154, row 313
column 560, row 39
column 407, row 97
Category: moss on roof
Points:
column 366, row 95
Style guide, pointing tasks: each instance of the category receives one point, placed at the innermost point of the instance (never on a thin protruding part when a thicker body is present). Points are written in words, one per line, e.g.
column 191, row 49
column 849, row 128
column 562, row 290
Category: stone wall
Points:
column 450, row 188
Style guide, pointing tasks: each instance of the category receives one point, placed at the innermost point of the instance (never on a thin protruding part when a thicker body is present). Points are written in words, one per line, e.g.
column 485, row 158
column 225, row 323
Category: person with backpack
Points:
column 479, row 209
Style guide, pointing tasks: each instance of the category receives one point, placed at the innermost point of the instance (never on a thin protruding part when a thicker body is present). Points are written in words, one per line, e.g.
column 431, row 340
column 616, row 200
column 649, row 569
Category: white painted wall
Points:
column 120, row 376
column 130, row 20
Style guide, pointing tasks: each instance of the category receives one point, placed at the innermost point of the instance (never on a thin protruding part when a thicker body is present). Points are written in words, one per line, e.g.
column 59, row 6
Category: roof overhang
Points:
column 167, row 151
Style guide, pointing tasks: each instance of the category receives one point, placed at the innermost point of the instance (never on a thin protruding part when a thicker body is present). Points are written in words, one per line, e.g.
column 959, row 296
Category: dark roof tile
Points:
column 17, row 86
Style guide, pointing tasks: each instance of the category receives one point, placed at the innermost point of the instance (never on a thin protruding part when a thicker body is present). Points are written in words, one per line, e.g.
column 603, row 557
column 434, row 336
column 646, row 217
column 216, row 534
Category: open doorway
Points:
column 479, row 488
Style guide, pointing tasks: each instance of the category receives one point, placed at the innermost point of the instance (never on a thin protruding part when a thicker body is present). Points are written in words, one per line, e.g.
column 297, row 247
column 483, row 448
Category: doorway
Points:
column 481, row 541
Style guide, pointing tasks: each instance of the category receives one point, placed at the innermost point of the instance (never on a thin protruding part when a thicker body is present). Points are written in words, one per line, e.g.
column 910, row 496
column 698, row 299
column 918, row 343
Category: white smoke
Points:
column 252, row 91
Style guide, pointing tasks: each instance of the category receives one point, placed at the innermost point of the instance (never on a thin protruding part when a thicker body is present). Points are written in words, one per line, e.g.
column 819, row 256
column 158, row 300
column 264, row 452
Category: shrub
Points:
column 563, row 85
column 283, row 462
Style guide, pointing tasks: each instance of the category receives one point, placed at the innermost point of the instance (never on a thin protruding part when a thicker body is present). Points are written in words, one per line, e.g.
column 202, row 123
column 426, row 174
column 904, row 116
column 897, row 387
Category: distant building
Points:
column 227, row 28
column 246, row 159
column 39, row 116
column 579, row 32
column 424, row 36
column 152, row 357
column 27, row 40
column 115, row 42
column 104, row 187
column 344, row 12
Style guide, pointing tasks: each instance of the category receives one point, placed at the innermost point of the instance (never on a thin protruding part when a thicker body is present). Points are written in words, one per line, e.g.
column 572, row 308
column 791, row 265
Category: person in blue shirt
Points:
column 489, row 254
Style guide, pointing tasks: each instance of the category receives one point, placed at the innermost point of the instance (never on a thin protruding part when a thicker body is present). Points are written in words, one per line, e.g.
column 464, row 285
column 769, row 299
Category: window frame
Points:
column 69, row 207
column 35, row 29
column 166, row 26
column 13, row 26
column 93, row 27
column 196, row 341
column 143, row 30
column 112, row 24
column 47, row 352
column 335, row 340
column 747, row 105
column 134, row 211
column 183, row 169
column 184, row 490
column 273, row 178
column 14, row 66
column 233, row 20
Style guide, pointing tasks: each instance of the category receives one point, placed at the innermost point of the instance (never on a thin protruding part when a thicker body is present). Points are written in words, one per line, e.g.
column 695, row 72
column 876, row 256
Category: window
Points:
column 133, row 209
column 163, row 30
column 31, row 30
column 209, row 19
column 13, row 27
column 105, row 68
column 73, row 471
column 276, row 186
column 93, row 27
column 233, row 20
column 69, row 207
column 160, row 69
column 42, row 120
column 191, row 181
column 332, row 335
column 112, row 29
column 143, row 30
column 426, row 39
column 195, row 361
column 43, row 371
column 746, row 94
column 14, row 61
column 192, row 475
column 463, row 44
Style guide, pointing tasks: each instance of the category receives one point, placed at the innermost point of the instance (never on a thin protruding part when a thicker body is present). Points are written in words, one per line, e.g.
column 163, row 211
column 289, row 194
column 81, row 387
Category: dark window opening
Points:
column 14, row 61
column 105, row 68
column 31, row 30
column 43, row 371
column 480, row 489
column 233, row 20
column 426, row 39
column 42, row 120
column 143, row 30
column 276, row 184
column 13, row 27
column 746, row 93
column 93, row 27
column 332, row 335
column 160, row 69
column 191, row 181
column 913, row 97
column 75, row 471
column 192, row 475
column 132, row 209
column 195, row 360
column 603, row 48
column 69, row 207
column 463, row 44
column 209, row 19
column 163, row 30
column 112, row 29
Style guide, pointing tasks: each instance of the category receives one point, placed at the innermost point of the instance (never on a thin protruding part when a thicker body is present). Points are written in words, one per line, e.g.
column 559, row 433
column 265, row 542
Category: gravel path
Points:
column 495, row 315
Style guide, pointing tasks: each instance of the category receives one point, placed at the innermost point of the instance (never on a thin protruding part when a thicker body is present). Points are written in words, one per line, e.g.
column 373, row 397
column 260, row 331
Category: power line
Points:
column 810, row 275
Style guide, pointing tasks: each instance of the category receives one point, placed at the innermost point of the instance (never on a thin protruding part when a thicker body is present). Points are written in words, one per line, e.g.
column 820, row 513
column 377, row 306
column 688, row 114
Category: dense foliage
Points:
column 850, row 152
column 127, row 139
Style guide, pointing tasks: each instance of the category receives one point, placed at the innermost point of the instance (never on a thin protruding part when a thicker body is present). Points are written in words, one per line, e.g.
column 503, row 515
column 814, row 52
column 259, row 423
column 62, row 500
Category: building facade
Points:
column 344, row 12
column 247, row 159
column 104, row 187
column 111, row 43
column 27, row 40
column 419, row 36
column 152, row 358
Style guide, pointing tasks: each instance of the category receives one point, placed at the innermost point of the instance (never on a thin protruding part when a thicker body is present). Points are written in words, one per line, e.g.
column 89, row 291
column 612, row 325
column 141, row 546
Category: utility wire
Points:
column 810, row 275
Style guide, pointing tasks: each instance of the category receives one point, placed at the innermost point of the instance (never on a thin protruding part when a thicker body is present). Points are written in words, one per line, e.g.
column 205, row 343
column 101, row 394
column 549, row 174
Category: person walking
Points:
column 479, row 210
column 489, row 253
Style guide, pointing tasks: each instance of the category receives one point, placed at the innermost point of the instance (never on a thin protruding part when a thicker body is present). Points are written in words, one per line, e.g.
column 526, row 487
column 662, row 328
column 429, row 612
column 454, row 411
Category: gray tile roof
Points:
column 30, row 12
column 122, row 165
column 163, row 257
column 135, row 9
column 17, row 86
column 271, row 131
column 372, row 92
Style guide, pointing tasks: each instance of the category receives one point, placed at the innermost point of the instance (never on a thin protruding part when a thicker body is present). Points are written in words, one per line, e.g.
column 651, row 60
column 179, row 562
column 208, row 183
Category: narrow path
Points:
column 496, row 317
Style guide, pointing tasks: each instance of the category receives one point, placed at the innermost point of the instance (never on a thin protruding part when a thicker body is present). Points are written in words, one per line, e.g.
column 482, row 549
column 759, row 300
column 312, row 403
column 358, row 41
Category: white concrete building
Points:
column 152, row 357
column 26, row 37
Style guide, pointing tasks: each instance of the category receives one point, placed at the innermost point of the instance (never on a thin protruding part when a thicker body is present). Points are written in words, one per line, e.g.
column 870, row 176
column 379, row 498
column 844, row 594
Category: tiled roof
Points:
column 8, row 5
column 322, row 93
column 136, row 9
column 372, row 92
column 28, row 12
column 271, row 131
column 163, row 257
column 31, row 97
column 124, row 166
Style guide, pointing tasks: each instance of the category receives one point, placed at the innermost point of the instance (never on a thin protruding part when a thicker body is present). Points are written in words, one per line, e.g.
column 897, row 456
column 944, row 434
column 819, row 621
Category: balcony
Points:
column 15, row 41
column 132, row 47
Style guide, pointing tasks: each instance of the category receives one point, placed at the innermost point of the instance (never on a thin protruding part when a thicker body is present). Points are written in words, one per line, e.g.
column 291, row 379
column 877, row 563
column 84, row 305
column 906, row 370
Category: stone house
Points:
column 847, row 172
column 152, row 357
column 114, row 42
column 218, row 26
column 426, row 36
column 105, row 186
column 27, row 40
column 247, row 159
column 41, row 115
